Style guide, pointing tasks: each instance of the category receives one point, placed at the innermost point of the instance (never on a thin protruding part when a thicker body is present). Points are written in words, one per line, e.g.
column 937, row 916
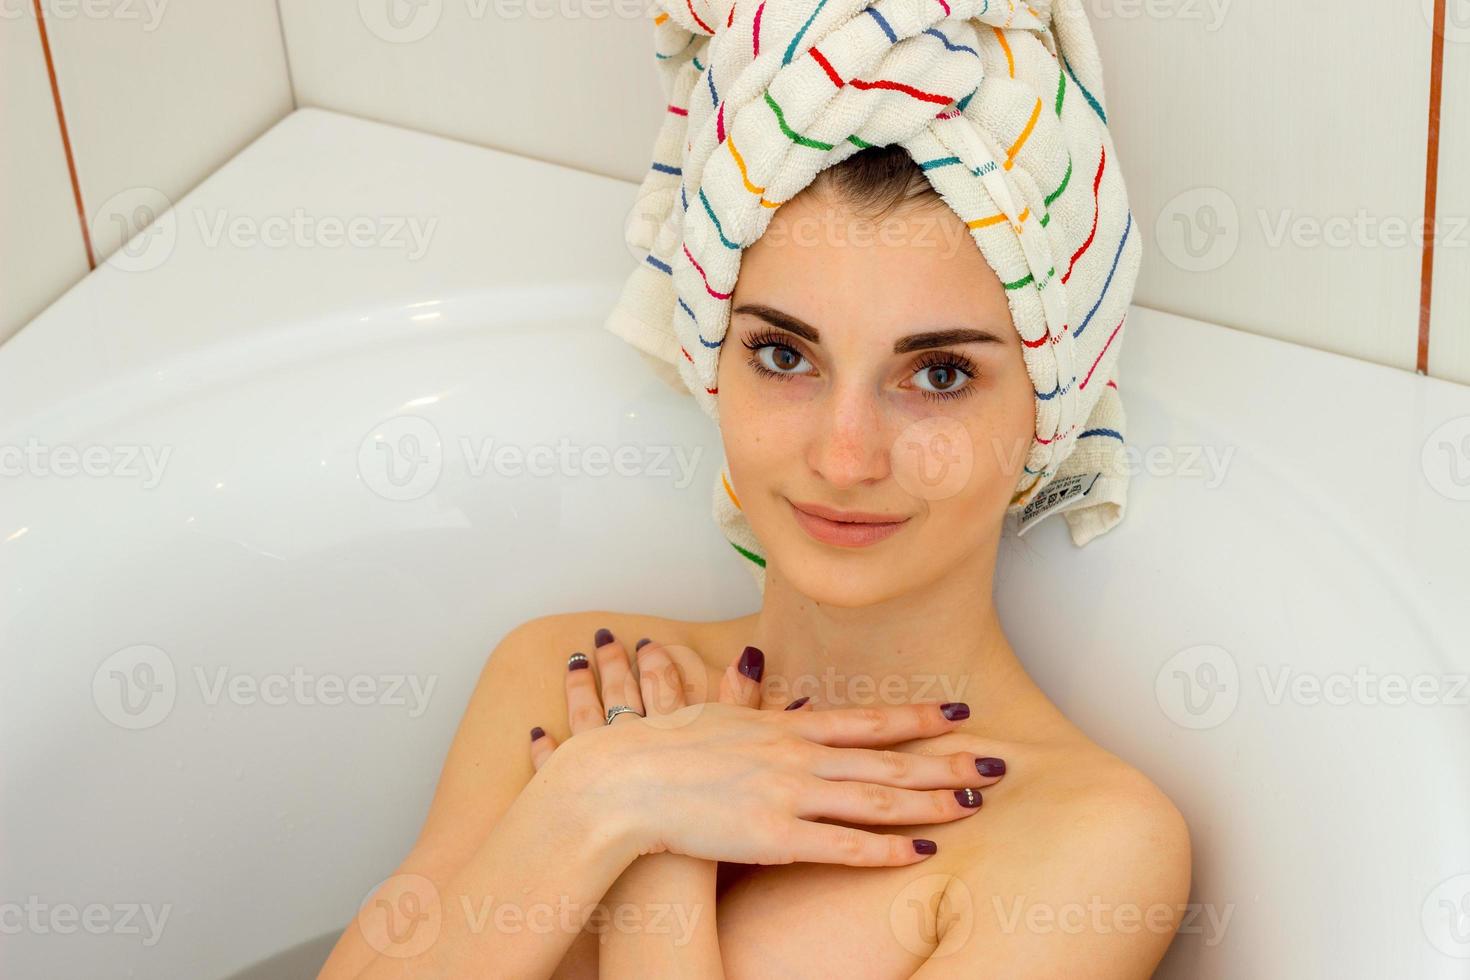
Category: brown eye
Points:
column 941, row 378
column 781, row 359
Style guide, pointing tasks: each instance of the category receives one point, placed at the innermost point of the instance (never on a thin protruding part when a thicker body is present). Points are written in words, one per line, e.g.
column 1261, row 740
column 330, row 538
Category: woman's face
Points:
column 874, row 403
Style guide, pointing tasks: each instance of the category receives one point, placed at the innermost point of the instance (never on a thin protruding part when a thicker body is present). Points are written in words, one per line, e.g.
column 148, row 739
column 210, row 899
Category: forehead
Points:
column 824, row 262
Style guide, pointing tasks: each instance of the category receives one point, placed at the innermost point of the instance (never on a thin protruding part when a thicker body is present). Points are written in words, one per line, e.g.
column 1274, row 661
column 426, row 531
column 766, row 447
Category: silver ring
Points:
column 618, row 709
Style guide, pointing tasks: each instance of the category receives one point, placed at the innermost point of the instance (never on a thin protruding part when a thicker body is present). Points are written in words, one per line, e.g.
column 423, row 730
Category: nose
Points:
column 850, row 446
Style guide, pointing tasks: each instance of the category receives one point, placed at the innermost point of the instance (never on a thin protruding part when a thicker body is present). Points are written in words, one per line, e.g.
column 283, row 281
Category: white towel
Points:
column 1002, row 105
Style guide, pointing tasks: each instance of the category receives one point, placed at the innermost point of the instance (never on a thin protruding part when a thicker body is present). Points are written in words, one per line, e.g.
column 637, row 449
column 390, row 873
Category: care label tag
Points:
column 1058, row 495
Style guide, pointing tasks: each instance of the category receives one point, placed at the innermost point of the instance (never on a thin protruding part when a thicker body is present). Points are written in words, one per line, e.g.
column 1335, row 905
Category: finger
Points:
column 742, row 681
column 909, row 770
column 875, row 724
column 660, row 682
column 619, row 686
column 834, row 844
column 542, row 745
column 584, row 704
column 874, row 803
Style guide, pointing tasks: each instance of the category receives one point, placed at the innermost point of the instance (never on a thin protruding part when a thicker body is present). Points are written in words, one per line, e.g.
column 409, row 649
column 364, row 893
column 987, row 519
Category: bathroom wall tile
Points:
column 1449, row 328
column 578, row 88
column 1275, row 155
column 158, row 95
column 41, row 248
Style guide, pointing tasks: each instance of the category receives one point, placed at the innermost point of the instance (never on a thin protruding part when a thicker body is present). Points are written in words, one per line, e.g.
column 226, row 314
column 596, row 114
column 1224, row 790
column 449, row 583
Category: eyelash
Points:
column 931, row 359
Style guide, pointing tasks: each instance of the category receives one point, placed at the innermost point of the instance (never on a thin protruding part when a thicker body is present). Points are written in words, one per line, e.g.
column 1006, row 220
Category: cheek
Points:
column 970, row 457
column 744, row 423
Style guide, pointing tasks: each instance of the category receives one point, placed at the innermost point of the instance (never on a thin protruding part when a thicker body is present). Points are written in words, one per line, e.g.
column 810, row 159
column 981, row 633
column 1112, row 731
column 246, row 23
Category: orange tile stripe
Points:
column 1431, row 187
column 71, row 163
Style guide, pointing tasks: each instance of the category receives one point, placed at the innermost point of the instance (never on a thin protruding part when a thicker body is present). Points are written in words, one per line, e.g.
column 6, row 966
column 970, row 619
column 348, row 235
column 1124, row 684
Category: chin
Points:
column 848, row 580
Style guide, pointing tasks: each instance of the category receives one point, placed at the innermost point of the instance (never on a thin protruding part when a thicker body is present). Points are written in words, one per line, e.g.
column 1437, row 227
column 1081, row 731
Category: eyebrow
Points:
column 903, row 345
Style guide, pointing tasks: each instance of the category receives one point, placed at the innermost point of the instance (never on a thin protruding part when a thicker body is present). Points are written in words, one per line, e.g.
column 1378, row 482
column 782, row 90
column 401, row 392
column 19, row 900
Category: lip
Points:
column 845, row 528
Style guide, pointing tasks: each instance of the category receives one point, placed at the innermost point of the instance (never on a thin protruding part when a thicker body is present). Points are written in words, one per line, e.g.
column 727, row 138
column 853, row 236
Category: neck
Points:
column 941, row 643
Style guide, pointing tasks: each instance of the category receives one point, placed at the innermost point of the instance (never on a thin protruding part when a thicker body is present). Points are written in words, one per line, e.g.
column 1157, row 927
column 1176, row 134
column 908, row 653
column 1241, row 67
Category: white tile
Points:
column 1312, row 113
column 576, row 90
column 1449, row 328
column 41, row 246
column 158, row 101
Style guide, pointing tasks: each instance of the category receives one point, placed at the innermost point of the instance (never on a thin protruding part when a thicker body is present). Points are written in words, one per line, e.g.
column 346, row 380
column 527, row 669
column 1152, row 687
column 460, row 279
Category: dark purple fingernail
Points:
column 752, row 663
column 955, row 710
column 537, row 732
column 925, row 846
column 798, row 703
column 968, row 797
column 991, row 766
column 577, row 661
column 642, row 643
column 603, row 638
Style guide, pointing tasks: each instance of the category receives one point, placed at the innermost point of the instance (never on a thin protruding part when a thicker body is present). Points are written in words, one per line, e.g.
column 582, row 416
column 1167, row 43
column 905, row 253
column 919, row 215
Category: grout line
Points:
column 286, row 56
column 71, row 163
column 1431, row 187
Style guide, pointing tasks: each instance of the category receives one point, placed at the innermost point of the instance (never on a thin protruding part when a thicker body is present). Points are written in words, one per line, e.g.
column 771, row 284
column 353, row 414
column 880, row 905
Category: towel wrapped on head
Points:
column 1001, row 105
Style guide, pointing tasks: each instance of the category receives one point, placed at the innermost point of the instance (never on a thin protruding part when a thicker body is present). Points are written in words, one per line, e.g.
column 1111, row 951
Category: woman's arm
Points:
column 721, row 782
column 667, row 906
column 520, row 900
column 485, row 773
column 668, row 899
column 659, row 918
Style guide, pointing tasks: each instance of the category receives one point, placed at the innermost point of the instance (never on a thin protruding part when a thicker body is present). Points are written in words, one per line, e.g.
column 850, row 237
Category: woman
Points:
column 725, row 835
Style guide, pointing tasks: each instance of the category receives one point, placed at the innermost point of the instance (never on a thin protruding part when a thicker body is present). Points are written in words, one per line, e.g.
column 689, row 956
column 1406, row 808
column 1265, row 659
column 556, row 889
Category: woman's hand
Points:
column 659, row 688
column 656, row 890
column 725, row 781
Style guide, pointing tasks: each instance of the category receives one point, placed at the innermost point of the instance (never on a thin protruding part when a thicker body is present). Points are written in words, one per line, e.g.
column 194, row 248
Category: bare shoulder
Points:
column 521, row 685
column 1080, row 855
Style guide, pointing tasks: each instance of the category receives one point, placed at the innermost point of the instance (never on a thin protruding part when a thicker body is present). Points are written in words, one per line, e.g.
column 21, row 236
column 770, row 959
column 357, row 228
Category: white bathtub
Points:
column 183, row 796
